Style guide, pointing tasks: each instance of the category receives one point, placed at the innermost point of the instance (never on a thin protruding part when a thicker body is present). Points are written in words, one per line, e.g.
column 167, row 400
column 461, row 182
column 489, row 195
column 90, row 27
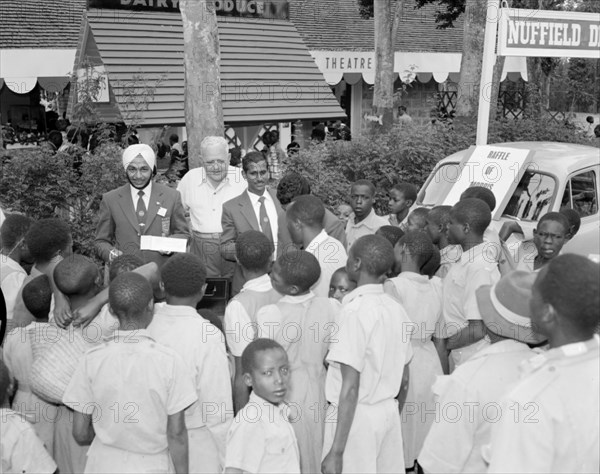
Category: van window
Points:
column 439, row 185
column 532, row 197
column 581, row 194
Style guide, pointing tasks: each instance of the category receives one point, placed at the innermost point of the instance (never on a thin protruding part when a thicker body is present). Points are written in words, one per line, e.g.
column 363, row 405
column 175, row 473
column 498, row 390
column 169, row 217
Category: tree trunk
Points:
column 471, row 64
column 383, row 94
column 203, row 108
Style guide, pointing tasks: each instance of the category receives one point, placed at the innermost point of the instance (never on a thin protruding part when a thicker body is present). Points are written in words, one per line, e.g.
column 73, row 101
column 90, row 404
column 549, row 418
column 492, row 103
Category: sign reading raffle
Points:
column 496, row 168
column 274, row 9
column 546, row 33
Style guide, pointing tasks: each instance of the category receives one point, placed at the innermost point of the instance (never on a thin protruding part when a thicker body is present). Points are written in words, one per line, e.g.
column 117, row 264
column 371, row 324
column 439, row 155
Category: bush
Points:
column 39, row 184
column 406, row 154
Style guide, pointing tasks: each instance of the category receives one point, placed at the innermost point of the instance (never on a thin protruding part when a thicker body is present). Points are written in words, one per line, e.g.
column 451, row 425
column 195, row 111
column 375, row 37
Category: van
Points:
column 559, row 175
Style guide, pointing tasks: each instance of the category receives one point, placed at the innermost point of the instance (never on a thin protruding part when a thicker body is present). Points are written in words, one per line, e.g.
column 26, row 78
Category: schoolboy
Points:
column 147, row 383
column 561, row 384
column 364, row 375
column 305, row 217
column 416, row 220
column 455, row 445
column 177, row 325
column 437, row 224
column 391, row 232
column 261, row 437
column 302, row 323
column 254, row 255
column 14, row 252
column 402, row 198
column 363, row 220
column 421, row 298
column 464, row 329
column 18, row 355
column 343, row 213
column 49, row 241
column 340, row 284
column 21, row 450
column 491, row 236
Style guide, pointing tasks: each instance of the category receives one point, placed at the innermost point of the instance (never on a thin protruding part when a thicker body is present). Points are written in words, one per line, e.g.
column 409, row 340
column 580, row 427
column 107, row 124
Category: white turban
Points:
column 133, row 151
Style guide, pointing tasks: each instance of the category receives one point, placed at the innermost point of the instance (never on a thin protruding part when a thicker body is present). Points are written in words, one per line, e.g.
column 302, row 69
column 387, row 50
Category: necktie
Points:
column 140, row 210
column 265, row 223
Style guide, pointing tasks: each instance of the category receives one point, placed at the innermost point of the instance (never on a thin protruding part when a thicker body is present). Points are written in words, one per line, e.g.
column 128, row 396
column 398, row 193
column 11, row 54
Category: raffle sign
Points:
column 275, row 9
column 545, row 33
column 496, row 168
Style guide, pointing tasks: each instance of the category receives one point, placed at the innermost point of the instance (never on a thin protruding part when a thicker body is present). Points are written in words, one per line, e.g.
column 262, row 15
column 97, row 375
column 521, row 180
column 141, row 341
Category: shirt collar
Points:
column 367, row 221
column 130, row 336
column 413, row 276
column 370, row 289
column 501, row 347
column 299, row 299
column 255, row 197
column 265, row 406
column 318, row 240
column 568, row 350
column 147, row 191
column 174, row 310
column 473, row 253
column 450, row 253
column 261, row 283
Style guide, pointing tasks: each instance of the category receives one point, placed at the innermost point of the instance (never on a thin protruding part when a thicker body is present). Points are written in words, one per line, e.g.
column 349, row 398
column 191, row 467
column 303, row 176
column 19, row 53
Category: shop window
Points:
column 581, row 194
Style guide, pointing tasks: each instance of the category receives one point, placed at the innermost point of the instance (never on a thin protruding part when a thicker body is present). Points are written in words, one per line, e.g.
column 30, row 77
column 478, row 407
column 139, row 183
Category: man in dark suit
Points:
column 141, row 207
column 257, row 208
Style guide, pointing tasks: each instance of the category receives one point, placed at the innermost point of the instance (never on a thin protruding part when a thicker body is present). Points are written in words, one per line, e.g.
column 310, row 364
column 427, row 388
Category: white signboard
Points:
column 497, row 168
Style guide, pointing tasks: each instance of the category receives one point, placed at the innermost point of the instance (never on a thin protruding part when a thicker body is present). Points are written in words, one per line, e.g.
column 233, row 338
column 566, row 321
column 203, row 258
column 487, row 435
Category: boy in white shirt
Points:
column 21, row 451
column 177, row 325
column 363, row 220
column 368, row 369
column 261, row 437
column 254, row 253
column 130, row 393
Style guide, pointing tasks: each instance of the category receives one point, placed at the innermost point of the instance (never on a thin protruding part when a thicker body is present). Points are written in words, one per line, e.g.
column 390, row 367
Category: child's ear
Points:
column 466, row 227
column 247, row 379
column 293, row 290
column 409, row 203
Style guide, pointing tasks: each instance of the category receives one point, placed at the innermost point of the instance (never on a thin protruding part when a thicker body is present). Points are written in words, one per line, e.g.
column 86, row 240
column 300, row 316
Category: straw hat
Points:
column 504, row 307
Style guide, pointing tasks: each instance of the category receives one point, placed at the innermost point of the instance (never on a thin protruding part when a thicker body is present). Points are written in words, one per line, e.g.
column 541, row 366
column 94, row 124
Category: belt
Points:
column 207, row 235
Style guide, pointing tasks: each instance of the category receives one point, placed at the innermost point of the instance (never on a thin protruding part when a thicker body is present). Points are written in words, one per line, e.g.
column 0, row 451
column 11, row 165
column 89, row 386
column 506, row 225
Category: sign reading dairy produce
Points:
column 496, row 168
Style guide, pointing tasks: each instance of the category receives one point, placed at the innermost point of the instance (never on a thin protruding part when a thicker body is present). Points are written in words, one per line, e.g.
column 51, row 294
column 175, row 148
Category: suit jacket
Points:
column 118, row 225
column 238, row 216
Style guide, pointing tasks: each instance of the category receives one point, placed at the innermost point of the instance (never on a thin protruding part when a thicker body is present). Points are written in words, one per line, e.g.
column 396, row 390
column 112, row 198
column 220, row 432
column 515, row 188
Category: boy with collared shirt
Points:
column 363, row 220
column 305, row 223
column 554, row 409
column 464, row 330
column 454, row 445
column 130, row 393
column 365, row 374
column 254, row 255
column 491, row 236
column 177, row 325
column 402, row 197
column 21, row 451
column 303, row 323
column 261, row 437
column 437, row 225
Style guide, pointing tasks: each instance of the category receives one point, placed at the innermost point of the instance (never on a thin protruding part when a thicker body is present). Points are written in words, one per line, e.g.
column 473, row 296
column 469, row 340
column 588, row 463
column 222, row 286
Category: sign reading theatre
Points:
column 547, row 33
column 278, row 9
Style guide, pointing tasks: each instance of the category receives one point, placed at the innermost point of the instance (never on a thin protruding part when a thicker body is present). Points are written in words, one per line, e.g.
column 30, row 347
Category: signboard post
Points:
column 496, row 168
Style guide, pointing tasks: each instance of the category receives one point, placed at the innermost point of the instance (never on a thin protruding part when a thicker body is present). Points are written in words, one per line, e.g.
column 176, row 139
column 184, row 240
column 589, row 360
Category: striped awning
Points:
column 22, row 69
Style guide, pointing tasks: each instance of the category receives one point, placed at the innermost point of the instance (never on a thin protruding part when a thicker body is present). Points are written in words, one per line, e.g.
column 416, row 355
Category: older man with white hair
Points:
column 203, row 192
column 141, row 207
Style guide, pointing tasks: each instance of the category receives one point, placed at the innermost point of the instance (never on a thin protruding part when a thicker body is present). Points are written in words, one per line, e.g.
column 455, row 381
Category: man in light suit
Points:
column 257, row 208
column 141, row 207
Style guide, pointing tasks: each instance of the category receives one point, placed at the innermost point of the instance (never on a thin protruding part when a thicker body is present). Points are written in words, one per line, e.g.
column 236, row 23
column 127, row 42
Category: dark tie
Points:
column 265, row 223
column 140, row 210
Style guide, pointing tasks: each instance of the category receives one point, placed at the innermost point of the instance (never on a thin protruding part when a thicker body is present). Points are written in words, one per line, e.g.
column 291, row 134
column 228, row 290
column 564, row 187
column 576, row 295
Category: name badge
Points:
column 166, row 226
column 162, row 212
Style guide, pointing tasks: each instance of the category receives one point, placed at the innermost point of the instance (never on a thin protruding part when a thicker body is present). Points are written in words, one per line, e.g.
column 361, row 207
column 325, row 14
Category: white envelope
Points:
column 163, row 244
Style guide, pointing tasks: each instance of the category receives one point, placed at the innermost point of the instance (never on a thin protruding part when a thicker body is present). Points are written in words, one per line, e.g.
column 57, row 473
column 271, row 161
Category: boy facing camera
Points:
column 261, row 438
column 363, row 220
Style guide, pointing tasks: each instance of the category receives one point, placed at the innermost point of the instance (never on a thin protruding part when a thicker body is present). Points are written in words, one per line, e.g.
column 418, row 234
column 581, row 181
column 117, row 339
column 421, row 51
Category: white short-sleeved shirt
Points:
column 331, row 255
column 368, row 226
column 554, row 411
column 261, row 439
column 474, row 269
column 455, row 440
column 21, row 450
column 240, row 329
column 130, row 385
column 202, row 347
column 12, row 276
column 448, row 256
column 204, row 202
column 374, row 339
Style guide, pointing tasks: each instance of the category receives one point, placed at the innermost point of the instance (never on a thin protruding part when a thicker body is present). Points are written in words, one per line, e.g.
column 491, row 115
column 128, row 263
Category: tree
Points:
column 203, row 107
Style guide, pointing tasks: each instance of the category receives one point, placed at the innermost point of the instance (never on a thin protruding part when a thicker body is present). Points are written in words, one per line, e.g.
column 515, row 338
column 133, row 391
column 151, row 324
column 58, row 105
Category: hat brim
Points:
column 500, row 326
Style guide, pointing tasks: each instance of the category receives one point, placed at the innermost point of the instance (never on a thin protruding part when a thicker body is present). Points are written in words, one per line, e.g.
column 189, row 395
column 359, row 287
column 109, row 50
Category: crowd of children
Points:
column 419, row 342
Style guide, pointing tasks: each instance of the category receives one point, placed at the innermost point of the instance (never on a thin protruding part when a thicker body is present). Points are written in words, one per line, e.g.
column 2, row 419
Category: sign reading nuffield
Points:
column 278, row 9
column 548, row 33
